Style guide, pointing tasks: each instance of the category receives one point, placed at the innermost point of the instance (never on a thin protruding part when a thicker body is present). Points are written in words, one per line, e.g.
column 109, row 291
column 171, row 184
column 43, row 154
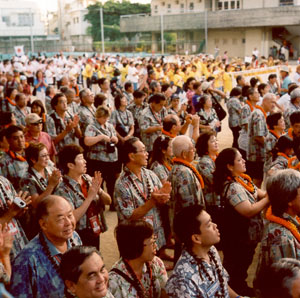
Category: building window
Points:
column 226, row 5
column 237, row 4
column 163, row 3
column 177, row 2
column 6, row 20
column 191, row 7
column 169, row 6
column 25, row 19
column 181, row 7
column 155, row 8
column 232, row 5
column 286, row 2
column 220, row 5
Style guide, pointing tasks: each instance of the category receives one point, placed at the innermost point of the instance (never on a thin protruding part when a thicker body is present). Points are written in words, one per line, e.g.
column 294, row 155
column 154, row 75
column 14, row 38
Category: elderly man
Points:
column 84, row 273
column 13, row 164
column 86, row 109
column 199, row 271
column 281, row 235
column 138, row 191
column 34, row 134
column 36, row 268
column 186, row 181
column 294, row 105
column 257, row 138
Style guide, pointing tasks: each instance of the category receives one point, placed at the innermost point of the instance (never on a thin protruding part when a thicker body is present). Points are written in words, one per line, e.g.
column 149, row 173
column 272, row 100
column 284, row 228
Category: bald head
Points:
column 268, row 102
column 180, row 145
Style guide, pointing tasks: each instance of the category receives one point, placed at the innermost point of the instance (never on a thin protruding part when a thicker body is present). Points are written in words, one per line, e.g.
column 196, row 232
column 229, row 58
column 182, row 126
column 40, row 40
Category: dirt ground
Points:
column 108, row 245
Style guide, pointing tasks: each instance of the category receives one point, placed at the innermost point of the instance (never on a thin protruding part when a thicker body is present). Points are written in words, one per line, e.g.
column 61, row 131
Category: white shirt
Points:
column 297, row 78
column 284, row 101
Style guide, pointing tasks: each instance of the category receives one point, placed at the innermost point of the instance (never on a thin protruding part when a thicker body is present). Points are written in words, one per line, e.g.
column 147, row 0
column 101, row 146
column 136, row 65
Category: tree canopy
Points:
column 112, row 10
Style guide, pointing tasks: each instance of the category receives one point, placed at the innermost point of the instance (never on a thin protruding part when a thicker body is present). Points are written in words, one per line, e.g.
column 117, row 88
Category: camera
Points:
column 110, row 147
column 19, row 202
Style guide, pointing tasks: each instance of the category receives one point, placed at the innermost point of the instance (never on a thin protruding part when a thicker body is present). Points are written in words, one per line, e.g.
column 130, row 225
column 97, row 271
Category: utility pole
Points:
column 162, row 34
column 31, row 31
column 102, row 30
column 205, row 29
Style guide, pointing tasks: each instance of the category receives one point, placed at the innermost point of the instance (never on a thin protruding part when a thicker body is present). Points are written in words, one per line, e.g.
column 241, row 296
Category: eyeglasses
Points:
column 141, row 151
column 37, row 123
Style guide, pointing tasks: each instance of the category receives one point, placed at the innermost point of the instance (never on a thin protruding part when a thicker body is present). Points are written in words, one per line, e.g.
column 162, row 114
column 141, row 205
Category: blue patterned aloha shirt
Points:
column 160, row 170
column 86, row 116
column 270, row 143
column 186, row 189
column 206, row 167
column 287, row 113
column 280, row 163
column 244, row 120
column 33, row 274
column 234, row 108
column 149, row 119
column 13, row 169
column 257, row 128
column 20, row 115
column 128, row 197
column 186, row 282
column 278, row 242
column 98, row 151
column 121, row 288
column 136, row 112
column 7, row 194
column 208, row 119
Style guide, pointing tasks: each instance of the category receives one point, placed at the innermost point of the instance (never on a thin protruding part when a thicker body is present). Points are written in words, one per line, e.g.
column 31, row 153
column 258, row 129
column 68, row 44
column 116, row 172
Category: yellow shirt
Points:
column 227, row 82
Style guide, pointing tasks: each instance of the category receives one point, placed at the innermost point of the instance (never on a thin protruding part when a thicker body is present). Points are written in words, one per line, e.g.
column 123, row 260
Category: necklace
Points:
column 168, row 134
column 158, row 119
column 290, row 163
column 144, row 195
column 283, row 222
column 273, row 132
column 55, row 260
column 191, row 167
column 137, row 284
column 248, row 186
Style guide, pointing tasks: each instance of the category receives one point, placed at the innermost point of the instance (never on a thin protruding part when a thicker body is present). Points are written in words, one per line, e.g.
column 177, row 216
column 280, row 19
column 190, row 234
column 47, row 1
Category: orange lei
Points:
column 274, row 133
column 249, row 186
column 189, row 165
column 250, row 105
column 283, row 222
column 168, row 134
column 285, row 156
column 263, row 111
column 168, row 166
column 10, row 101
column 296, row 167
column 290, row 133
column 15, row 156
column 213, row 158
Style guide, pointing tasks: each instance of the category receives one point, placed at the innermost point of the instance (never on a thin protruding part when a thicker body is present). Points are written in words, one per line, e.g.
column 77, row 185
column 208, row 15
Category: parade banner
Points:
column 261, row 73
column 19, row 51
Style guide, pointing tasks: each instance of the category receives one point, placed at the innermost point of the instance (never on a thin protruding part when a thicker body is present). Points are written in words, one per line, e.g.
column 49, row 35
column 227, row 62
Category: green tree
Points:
column 112, row 10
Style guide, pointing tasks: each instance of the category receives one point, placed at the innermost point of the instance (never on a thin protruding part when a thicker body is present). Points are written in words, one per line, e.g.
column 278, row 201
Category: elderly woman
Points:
column 40, row 181
column 8, row 103
column 138, row 273
column 242, row 225
column 281, row 235
column 76, row 267
column 102, row 155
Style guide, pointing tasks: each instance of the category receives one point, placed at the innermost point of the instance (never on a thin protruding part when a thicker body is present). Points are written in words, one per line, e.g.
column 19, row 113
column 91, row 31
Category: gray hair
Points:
column 180, row 144
column 295, row 93
column 268, row 96
column 282, row 188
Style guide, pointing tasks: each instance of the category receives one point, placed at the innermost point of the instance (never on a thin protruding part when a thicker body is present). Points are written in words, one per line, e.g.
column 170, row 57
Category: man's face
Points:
column 177, row 127
column 157, row 107
column 209, row 232
column 140, row 156
column 17, row 141
column 79, row 165
column 62, row 104
column 296, row 129
column 93, row 280
column 59, row 224
column 71, row 96
column 89, row 97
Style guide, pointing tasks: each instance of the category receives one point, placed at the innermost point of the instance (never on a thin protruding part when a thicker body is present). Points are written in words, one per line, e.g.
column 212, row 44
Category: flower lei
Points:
column 250, row 105
column 10, row 101
column 190, row 166
column 168, row 134
column 262, row 110
column 168, row 166
column 290, row 133
column 283, row 222
column 213, row 158
column 249, row 186
column 290, row 162
column 272, row 131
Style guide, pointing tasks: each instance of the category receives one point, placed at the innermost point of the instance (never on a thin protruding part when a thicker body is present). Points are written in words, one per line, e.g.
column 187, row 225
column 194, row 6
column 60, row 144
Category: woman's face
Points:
column 36, row 109
column 208, row 103
column 213, row 145
column 239, row 165
column 169, row 151
column 43, row 158
column 123, row 102
column 102, row 120
column 149, row 251
column 39, row 75
column 13, row 94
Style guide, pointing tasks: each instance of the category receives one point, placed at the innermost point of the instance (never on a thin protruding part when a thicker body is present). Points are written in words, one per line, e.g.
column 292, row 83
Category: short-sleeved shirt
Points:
column 99, row 150
column 6, row 106
column 257, row 128
column 237, row 194
column 57, row 125
column 123, row 118
column 243, row 138
column 280, row 163
column 160, row 170
column 186, row 189
column 128, row 196
column 270, row 143
column 86, row 116
column 234, row 108
column 71, row 190
column 278, row 242
column 291, row 108
column 190, row 281
column 13, row 169
column 121, row 288
column 149, row 119
column 208, row 119
column 285, row 84
column 7, row 194
column 206, row 166
column 21, row 115
column 33, row 274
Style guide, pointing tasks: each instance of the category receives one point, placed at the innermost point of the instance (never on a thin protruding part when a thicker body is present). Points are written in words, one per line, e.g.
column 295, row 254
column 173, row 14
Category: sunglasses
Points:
column 37, row 123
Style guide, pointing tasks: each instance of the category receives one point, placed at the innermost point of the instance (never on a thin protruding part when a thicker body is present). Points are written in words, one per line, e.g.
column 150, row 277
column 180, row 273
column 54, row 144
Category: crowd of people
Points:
column 140, row 135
